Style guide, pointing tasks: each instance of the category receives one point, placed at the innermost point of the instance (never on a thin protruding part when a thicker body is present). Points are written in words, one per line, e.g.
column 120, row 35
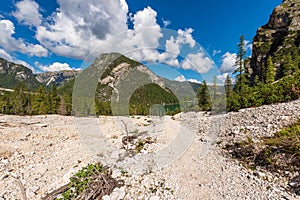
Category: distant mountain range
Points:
column 126, row 76
column 11, row 74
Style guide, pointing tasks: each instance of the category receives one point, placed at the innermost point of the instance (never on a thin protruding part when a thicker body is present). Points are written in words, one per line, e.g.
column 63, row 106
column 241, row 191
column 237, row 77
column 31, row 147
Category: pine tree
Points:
column 54, row 100
column 247, row 68
column 256, row 81
column 40, row 105
column 270, row 71
column 20, row 99
column 204, row 97
column 289, row 66
column 228, row 86
column 65, row 107
column 240, row 57
column 241, row 80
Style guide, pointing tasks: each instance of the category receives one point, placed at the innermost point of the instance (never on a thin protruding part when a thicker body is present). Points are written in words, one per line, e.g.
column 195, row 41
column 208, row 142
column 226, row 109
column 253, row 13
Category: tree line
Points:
column 269, row 86
column 22, row 101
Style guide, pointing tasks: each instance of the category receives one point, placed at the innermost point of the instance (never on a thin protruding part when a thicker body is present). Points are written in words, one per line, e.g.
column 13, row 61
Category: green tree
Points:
column 54, row 100
column 256, row 81
column 240, row 57
column 65, row 107
column 247, row 71
column 228, row 86
column 289, row 66
column 204, row 97
column 270, row 71
column 40, row 102
column 20, row 100
column 241, row 79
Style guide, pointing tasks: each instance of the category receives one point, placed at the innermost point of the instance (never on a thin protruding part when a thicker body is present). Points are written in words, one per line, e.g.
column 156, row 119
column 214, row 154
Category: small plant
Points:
column 84, row 182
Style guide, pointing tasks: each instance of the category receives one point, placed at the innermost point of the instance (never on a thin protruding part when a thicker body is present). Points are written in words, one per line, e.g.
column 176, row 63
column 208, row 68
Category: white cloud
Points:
column 248, row 45
column 173, row 47
column 198, row 62
column 184, row 37
column 215, row 52
column 27, row 12
column 228, row 62
column 5, row 55
column 21, row 62
column 56, row 66
column 76, row 28
column 221, row 78
column 181, row 78
column 11, row 44
column 166, row 22
column 194, row 80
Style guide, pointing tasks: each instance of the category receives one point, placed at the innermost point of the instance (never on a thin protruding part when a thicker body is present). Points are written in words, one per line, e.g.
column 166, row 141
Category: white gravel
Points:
column 39, row 153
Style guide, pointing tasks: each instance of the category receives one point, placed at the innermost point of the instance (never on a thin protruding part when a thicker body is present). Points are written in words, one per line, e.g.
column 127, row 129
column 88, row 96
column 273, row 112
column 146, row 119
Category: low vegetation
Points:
column 278, row 154
column 91, row 182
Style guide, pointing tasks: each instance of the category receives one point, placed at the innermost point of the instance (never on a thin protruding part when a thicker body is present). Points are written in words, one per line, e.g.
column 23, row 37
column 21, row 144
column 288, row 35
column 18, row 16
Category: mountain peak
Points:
column 278, row 38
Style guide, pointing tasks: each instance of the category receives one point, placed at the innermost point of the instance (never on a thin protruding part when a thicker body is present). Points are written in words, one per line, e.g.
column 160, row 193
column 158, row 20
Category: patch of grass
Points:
column 286, row 140
column 279, row 153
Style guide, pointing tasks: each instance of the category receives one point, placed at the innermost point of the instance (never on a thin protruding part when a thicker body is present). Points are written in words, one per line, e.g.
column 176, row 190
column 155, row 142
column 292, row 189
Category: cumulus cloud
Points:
column 76, row 28
column 56, row 66
column 184, row 37
column 181, row 78
column 228, row 62
column 27, row 12
column 198, row 62
column 172, row 46
column 11, row 44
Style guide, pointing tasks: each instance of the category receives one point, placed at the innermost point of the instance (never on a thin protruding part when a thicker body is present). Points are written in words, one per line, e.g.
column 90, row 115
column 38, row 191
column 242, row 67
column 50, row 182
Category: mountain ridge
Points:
column 278, row 39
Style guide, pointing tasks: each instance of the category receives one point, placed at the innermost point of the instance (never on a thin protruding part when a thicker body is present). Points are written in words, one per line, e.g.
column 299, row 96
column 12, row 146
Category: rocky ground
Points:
column 39, row 153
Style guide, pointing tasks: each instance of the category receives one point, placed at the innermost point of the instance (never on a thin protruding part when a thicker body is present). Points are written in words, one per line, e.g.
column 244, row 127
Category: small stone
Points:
column 116, row 173
column 293, row 184
column 154, row 198
column 41, row 125
column 4, row 177
column 106, row 197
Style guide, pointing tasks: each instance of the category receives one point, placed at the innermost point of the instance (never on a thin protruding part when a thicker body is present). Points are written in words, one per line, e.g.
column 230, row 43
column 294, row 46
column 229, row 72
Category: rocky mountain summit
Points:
column 12, row 74
column 58, row 78
column 279, row 38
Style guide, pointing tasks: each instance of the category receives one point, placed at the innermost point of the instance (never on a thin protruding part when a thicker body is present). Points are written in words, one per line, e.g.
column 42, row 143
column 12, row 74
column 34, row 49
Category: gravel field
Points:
column 39, row 153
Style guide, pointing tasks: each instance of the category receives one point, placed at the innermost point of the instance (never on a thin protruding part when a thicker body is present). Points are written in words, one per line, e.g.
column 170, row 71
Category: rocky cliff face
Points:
column 280, row 37
column 12, row 74
column 57, row 78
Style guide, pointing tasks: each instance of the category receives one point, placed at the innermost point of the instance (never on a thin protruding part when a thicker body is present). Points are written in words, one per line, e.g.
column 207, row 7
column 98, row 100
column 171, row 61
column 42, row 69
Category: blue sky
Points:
column 192, row 37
